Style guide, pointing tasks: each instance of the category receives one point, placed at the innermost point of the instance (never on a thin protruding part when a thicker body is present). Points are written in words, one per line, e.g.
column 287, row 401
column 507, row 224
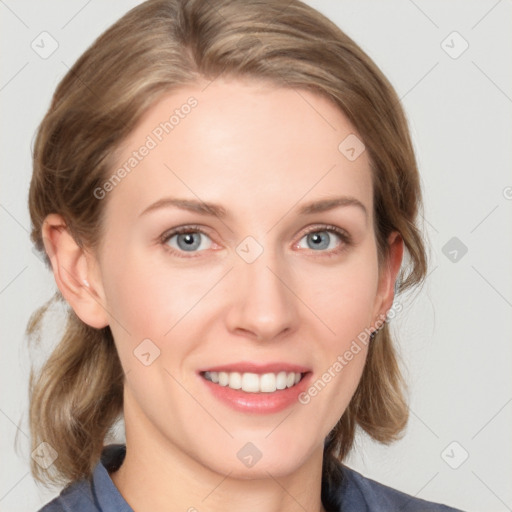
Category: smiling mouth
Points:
column 254, row 382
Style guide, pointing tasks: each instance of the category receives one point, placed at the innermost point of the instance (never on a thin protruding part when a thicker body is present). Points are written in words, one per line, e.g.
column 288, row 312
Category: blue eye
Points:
column 187, row 239
column 319, row 239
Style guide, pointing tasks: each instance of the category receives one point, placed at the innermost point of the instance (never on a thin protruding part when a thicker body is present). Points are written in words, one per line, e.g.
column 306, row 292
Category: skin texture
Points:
column 261, row 152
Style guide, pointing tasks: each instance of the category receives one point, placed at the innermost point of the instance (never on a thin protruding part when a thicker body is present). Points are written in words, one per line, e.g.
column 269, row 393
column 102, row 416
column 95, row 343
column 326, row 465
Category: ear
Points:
column 389, row 273
column 75, row 271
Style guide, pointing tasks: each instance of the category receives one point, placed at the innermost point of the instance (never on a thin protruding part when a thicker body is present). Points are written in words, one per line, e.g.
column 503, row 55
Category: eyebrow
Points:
column 212, row 209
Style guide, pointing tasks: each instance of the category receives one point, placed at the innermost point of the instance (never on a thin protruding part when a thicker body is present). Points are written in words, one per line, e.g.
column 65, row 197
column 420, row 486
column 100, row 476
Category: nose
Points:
column 264, row 302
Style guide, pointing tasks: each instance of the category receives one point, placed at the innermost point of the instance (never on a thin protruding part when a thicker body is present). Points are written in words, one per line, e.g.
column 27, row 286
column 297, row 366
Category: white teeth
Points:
column 268, row 382
column 281, row 380
column 235, row 380
column 253, row 382
column 250, row 382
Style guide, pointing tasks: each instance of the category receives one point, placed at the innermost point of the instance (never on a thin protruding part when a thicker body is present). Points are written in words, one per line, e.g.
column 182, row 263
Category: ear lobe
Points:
column 73, row 272
column 390, row 272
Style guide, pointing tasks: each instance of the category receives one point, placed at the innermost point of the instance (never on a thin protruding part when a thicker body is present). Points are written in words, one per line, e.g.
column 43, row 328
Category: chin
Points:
column 250, row 462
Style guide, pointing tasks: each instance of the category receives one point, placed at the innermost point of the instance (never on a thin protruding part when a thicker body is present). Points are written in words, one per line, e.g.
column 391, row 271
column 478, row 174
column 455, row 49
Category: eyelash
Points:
column 343, row 235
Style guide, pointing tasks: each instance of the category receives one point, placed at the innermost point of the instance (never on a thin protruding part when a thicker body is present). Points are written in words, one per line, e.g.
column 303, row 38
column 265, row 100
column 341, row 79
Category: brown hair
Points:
column 157, row 47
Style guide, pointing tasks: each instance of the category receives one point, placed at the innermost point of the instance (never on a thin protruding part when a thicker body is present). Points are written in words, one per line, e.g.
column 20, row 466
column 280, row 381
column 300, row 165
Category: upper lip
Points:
column 251, row 367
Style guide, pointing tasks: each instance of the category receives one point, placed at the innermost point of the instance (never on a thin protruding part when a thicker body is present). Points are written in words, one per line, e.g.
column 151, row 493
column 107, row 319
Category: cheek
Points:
column 139, row 303
column 147, row 299
column 344, row 298
column 140, row 292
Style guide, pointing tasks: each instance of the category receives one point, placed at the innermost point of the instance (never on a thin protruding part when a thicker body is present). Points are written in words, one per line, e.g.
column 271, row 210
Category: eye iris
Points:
column 316, row 240
column 188, row 239
column 317, row 237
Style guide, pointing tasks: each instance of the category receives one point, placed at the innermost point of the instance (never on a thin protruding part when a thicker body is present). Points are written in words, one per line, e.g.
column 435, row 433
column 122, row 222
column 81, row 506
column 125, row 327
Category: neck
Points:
column 157, row 476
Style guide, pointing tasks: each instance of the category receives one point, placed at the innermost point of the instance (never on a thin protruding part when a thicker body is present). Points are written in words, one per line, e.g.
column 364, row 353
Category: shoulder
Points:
column 358, row 491
column 76, row 497
column 97, row 493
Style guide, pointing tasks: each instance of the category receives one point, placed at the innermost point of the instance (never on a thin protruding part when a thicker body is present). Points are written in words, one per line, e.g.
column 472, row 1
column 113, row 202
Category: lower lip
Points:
column 261, row 403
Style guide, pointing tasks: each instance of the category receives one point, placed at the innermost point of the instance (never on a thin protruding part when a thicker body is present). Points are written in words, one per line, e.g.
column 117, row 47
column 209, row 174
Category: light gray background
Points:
column 455, row 338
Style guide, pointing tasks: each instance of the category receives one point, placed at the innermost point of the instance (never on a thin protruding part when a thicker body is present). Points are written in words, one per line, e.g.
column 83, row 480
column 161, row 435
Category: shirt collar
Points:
column 106, row 494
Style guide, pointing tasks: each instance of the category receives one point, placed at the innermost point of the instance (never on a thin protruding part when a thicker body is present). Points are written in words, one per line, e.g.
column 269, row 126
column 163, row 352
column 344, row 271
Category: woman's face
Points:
column 268, row 286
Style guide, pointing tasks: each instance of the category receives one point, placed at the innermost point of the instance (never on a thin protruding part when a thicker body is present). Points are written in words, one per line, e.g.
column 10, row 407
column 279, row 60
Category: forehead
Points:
column 246, row 144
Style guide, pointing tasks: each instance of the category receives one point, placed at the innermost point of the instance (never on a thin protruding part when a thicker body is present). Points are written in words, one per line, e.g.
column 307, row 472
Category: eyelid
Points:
column 345, row 237
column 193, row 228
column 326, row 227
column 182, row 229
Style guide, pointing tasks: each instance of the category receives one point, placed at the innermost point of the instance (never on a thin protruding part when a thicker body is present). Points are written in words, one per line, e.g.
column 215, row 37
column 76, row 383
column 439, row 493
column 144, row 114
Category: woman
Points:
column 225, row 192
